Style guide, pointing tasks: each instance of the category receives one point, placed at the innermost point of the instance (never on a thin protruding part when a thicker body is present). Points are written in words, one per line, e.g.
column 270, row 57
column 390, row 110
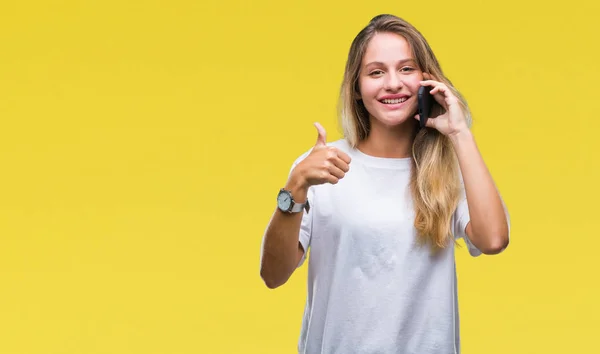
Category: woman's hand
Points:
column 453, row 121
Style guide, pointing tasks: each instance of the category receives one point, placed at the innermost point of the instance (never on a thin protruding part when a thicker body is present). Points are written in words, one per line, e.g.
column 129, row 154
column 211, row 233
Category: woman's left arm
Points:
column 488, row 228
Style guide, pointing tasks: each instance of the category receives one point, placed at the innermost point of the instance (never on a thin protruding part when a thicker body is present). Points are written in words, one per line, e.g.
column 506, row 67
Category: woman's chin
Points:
column 391, row 120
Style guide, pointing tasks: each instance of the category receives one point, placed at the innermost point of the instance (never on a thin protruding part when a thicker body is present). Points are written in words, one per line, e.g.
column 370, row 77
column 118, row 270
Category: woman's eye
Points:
column 407, row 69
column 376, row 72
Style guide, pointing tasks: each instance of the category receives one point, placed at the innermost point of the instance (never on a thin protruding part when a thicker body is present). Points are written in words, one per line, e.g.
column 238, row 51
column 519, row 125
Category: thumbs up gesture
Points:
column 324, row 164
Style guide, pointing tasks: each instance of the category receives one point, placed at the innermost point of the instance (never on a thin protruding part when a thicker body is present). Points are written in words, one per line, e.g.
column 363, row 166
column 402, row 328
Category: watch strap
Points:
column 297, row 207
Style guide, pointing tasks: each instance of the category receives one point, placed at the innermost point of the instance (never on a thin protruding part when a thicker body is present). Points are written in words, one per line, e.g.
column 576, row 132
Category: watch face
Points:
column 284, row 200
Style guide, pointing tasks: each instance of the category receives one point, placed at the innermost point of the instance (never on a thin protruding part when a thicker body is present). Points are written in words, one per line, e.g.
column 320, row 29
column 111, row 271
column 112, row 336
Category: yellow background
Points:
column 142, row 144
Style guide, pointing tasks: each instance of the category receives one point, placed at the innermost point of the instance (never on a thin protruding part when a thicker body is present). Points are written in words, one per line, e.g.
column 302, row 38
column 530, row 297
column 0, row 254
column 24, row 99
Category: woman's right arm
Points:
column 281, row 249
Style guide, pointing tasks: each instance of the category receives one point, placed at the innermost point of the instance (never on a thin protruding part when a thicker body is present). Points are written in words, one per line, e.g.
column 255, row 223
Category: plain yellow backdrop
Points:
column 142, row 145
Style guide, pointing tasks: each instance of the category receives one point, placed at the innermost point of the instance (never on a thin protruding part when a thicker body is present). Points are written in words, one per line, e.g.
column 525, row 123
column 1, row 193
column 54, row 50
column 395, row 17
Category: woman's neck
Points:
column 389, row 142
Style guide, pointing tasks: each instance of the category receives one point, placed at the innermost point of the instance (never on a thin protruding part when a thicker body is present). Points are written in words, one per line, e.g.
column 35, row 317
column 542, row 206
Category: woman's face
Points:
column 389, row 80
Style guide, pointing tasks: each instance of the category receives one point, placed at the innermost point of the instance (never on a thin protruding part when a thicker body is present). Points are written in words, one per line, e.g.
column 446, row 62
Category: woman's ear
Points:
column 426, row 76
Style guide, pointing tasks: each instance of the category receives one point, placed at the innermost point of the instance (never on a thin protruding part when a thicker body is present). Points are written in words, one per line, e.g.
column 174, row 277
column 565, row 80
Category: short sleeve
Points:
column 461, row 219
column 306, row 228
column 306, row 224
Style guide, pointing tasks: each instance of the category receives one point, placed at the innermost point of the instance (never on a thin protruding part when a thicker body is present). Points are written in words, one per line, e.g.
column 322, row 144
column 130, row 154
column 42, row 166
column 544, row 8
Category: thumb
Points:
column 322, row 137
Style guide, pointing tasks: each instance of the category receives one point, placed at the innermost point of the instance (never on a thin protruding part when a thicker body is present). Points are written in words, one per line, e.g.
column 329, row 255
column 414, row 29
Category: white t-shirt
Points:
column 371, row 287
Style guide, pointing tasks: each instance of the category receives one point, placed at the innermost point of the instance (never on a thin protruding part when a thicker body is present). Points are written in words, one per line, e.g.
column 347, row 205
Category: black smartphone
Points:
column 425, row 102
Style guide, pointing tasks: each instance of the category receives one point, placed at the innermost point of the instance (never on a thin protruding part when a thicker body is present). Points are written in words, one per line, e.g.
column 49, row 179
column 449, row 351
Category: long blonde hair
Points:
column 435, row 177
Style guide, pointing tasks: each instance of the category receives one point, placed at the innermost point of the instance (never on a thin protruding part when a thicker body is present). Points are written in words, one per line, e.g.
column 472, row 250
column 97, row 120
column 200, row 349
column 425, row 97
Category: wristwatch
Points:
column 286, row 203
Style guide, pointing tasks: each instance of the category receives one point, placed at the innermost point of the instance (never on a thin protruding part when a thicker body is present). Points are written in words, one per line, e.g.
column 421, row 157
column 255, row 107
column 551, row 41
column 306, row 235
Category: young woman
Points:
column 382, row 208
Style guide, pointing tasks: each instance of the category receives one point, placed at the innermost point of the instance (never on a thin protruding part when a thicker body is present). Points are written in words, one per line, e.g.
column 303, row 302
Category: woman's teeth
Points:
column 394, row 101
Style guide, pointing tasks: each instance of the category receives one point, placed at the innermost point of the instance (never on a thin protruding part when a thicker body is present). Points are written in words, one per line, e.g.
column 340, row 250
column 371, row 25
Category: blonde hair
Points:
column 435, row 177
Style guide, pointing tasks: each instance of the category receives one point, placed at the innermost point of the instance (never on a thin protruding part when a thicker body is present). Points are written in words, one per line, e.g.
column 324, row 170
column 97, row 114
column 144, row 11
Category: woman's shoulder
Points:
column 341, row 144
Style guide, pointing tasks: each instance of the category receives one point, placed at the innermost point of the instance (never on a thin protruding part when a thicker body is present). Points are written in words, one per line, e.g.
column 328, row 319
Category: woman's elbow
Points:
column 497, row 244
